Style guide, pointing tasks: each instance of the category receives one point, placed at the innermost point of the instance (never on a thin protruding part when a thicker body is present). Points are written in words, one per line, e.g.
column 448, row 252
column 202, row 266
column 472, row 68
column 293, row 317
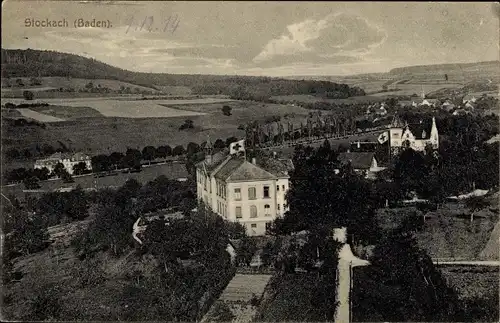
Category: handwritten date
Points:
column 149, row 24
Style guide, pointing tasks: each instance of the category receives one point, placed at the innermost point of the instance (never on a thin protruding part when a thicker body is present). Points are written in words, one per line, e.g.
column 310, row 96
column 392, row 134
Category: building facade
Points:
column 416, row 136
column 251, row 193
column 68, row 161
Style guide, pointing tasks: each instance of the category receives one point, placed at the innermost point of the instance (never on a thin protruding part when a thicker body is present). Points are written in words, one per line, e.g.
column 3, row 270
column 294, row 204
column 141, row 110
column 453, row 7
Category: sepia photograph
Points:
column 250, row 161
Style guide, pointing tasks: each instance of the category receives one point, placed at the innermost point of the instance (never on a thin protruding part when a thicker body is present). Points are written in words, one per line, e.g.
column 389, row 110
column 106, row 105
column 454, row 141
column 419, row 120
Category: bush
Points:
column 222, row 313
column 28, row 95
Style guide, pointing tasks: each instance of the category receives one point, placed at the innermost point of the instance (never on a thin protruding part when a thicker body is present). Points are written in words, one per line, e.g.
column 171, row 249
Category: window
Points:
column 253, row 211
column 252, row 193
column 279, row 207
column 267, row 210
column 237, row 194
column 266, row 191
column 277, row 188
column 395, row 135
column 238, row 212
column 283, row 188
column 254, row 225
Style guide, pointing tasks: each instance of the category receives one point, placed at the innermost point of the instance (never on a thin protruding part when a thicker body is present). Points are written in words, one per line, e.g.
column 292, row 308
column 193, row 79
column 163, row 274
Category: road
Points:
column 148, row 173
column 490, row 263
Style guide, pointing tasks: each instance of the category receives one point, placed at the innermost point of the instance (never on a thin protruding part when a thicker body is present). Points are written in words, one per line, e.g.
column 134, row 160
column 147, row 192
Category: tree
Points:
column 19, row 82
column 178, row 151
column 34, row 81
column 28, row 95
column 89, row 85
column 219, row 144
column 188, row 124
column 116, row 159
column 59, row 169
column 475, row 204
column 31, row 183
column 149, row 153
column 80, row 168
column 66, row 177
column 230, row 140
column 27, row 234
column 415, row 289
column 132, row 159
column 163, row 151
column 192, row 148
column 226, row 110
column 339, row 199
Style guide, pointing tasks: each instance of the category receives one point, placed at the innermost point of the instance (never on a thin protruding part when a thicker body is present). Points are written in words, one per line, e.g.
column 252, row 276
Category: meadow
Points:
column 91, row 131
column 56, row 82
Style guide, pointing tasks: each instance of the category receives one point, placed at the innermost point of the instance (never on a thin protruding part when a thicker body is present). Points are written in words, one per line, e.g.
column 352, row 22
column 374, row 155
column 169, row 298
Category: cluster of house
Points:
column 466, row 107
column 253, row 192
column 68, row 160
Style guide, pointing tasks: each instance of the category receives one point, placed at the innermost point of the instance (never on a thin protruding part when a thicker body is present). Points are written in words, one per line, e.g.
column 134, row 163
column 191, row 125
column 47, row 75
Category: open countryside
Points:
column 320, row 165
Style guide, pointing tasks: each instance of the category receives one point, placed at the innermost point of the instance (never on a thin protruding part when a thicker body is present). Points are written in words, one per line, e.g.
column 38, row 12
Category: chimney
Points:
column 254, row 161
column 359, row 144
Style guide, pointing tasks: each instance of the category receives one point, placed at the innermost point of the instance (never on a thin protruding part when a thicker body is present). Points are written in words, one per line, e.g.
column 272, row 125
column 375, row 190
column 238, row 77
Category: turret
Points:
column 434, row 134
column 209, row 148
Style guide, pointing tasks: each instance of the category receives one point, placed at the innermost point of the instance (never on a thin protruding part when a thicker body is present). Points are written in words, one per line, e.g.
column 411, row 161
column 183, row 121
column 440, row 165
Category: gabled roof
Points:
column 277, row 167
column 358, row 160
column 396, row 122
column 229, row 167
column 217, row 159
column 249, row 172
column 421, row 130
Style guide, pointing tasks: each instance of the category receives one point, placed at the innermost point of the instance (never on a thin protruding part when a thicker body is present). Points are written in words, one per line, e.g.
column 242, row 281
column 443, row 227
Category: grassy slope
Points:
column 447, row 234
column 79, row 83
column 116, row 134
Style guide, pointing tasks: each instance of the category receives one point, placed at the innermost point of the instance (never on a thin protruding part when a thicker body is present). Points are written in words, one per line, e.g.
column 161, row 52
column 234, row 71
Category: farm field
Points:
column 119, row 108
column 106, row 134
column 170, row 170
column 416, row 88
column 305, row 98
column 56, row 82
column 28, row 113
column 6, row 90
column 66, row 112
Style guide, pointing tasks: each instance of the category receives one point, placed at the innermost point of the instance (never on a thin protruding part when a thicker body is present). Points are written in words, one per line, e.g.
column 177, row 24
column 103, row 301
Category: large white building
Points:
column 416, row 136
column 251, row 193
column 68, row 161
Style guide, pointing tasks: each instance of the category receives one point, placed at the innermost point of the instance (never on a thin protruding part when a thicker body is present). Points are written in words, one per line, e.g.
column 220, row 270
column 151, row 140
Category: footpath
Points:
column 237, row 297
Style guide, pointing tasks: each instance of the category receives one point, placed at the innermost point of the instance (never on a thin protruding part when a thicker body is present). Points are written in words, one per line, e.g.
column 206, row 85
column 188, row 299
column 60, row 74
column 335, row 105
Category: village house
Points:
column 416, row 136
column 251, row 193
column 364, row 163
column 68, row 161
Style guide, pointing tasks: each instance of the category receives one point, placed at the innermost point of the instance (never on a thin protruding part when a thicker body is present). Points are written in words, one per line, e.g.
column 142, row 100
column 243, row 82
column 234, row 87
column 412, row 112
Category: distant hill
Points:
column 485, row 67
column 35, row 63
column 460, row 71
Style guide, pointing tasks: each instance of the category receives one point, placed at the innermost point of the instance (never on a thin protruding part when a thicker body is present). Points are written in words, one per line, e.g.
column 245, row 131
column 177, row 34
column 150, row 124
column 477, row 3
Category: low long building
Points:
column 68, row 160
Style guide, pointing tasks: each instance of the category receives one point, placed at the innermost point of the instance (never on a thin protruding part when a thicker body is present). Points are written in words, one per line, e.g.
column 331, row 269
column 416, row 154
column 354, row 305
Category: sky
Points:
column 259, row 38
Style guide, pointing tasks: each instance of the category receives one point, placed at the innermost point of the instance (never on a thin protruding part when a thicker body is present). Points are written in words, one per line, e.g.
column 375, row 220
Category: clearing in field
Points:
column 28, row 113
column 67, row 113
